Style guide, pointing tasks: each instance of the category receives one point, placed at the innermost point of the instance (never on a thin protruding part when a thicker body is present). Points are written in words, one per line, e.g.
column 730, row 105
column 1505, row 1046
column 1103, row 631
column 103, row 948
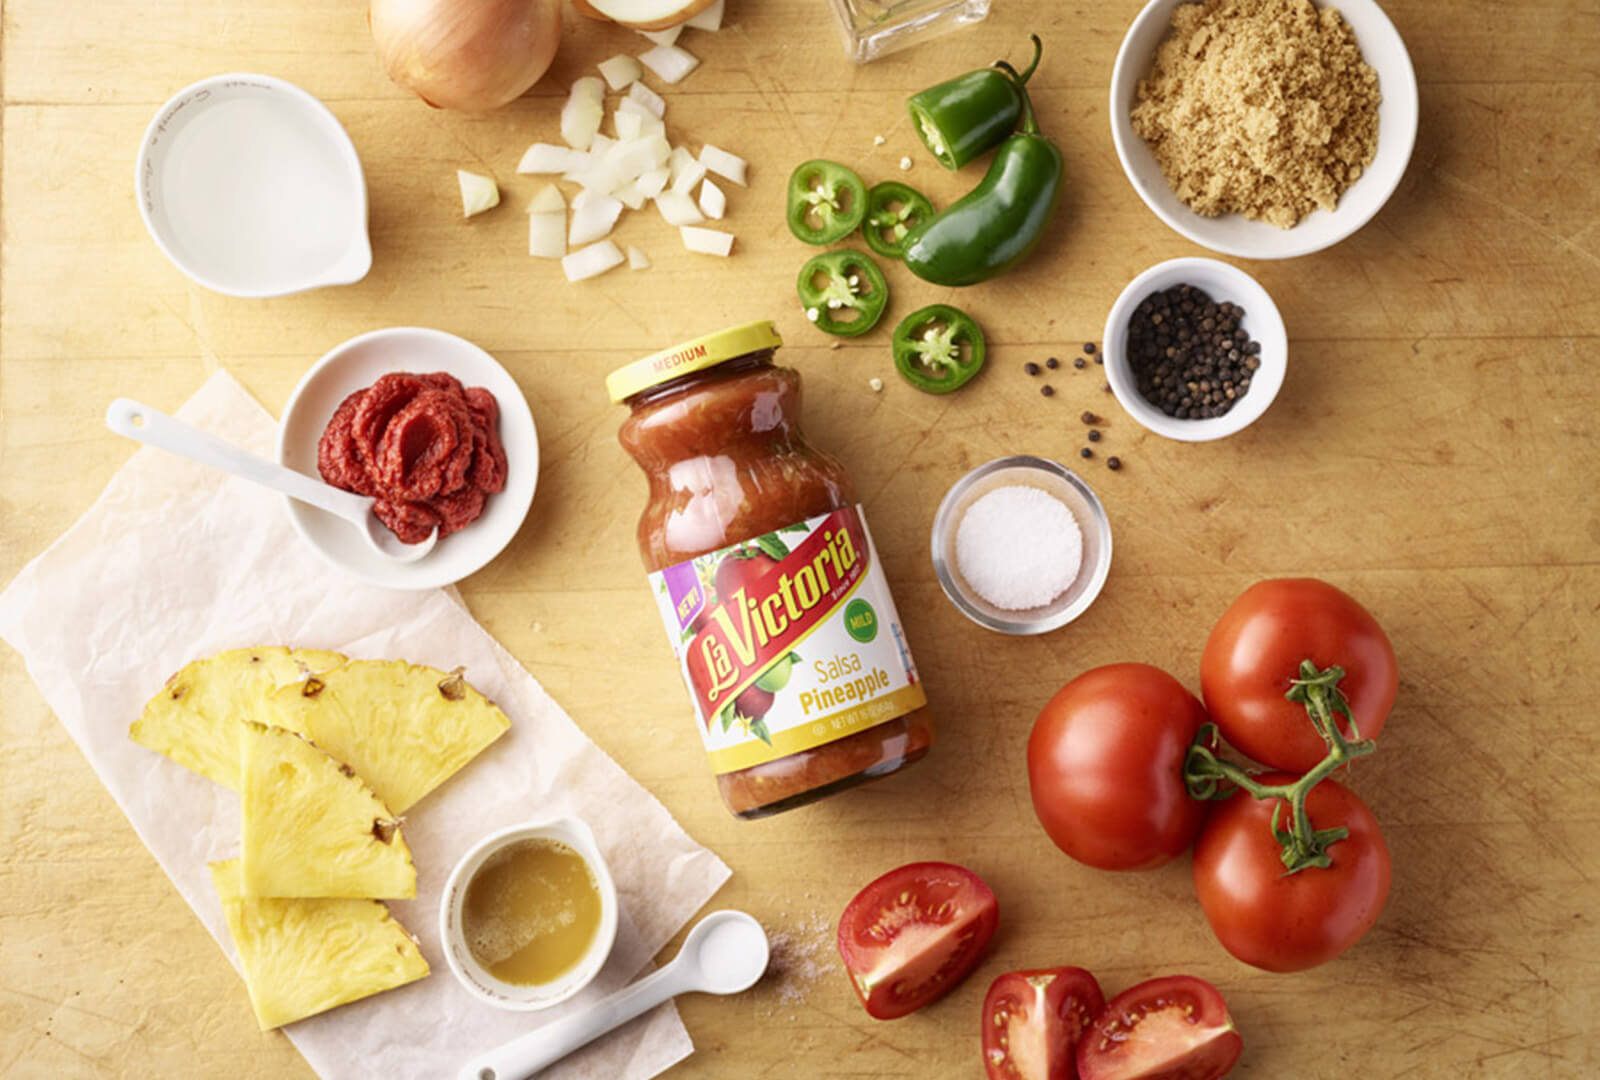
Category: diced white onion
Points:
column 628, row 195
column 547, row 235
column 653, row 183
column 591, row 261
column 707, row 241
column 723, row 163
column 582, row 113
column 548, row 201
column 713, row 203
column 663, row 37
column 678, row 209
column 636, row 259
column 593, row 216
column 478, row 192
column 649, row 123
column 548, row 158
column 619, row 71
column 669, row 62
column 643, row 95
column 709, row 19
column 628, row 122
column 601, row 144
column 686, row 172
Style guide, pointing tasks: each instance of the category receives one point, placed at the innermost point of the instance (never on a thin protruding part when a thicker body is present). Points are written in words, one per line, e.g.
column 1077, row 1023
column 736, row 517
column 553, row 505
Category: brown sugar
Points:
column 1259, row 107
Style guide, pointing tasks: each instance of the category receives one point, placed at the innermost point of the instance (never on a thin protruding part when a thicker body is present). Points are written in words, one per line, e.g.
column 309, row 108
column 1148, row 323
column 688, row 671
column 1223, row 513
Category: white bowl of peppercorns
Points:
column 1195, row 349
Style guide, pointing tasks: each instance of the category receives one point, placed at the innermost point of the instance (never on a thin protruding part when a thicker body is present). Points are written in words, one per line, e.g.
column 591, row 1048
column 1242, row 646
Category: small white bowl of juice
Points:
column 529, row 915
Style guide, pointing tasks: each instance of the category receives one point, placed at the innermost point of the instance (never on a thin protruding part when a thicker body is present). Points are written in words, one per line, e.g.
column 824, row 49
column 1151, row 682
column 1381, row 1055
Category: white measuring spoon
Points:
column 725, row 953
column 154, row 428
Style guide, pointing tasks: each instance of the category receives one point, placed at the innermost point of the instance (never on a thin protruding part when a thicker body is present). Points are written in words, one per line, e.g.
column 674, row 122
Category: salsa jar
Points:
column 766, row 577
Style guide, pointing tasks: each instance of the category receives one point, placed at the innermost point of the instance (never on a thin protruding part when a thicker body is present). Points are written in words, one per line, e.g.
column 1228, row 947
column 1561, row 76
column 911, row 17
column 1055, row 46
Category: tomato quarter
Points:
column 1175, row 1028
column 1105, row 766
column 914, row 933
column 1290, row 922
column 1255, row 650
column 1032, row 1021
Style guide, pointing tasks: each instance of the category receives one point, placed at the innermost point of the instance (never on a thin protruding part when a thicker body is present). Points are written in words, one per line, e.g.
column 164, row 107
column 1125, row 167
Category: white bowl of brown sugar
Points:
column 1264, row 129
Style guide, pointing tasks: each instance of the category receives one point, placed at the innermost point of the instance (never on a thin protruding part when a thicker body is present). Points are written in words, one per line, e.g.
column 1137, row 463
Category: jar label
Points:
column 788, row 640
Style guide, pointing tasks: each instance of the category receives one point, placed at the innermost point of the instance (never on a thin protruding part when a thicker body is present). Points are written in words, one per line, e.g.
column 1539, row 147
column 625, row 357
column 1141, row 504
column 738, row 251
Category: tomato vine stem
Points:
column 1209, row 777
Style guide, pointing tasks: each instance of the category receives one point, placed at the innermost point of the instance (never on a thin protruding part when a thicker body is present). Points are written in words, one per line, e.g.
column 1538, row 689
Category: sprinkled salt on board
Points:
column 1018, row 547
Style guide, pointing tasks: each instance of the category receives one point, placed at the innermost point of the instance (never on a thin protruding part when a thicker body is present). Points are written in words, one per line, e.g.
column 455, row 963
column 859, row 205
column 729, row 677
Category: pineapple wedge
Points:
column 303, row 957
column 404, row 728
column 191, row 719
column 311, row 827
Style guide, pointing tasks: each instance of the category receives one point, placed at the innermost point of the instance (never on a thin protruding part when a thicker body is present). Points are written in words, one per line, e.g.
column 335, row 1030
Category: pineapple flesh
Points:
column 311, row 827
column 192, row 719
column 305, row 956
column 404, row 728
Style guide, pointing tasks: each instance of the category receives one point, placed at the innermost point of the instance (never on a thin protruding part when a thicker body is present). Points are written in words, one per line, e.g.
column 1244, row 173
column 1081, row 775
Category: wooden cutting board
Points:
column 1433, row 451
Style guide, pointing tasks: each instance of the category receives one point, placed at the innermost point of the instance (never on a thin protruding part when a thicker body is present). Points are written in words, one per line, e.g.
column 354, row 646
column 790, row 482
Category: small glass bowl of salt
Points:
column 1021, row 545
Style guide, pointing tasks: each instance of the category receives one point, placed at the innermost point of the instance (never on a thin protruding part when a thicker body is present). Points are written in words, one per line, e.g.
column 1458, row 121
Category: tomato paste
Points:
column 425, row 447
column 767, row 578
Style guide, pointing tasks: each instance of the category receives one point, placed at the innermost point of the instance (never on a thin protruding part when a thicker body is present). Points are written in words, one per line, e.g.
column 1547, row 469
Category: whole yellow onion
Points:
column 471, row 55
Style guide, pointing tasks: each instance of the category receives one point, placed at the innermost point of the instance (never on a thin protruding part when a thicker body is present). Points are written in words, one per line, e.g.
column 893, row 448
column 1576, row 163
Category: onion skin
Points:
column 468, row 55
column 689, row 10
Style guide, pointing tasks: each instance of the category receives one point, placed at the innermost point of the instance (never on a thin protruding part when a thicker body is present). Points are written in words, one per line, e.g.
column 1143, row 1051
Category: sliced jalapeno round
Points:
column 893, row 210
column 826, row 201
column 844, row 292
column 938, row 349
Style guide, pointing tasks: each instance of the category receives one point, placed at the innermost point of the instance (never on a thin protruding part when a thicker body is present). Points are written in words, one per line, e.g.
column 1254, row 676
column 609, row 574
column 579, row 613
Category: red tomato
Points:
column 1255, row 650
column 1105, row 764
column 910, row 936
column 1032, row 1021
column 1176, row 1028
column 741, row 569
column 1290, row 922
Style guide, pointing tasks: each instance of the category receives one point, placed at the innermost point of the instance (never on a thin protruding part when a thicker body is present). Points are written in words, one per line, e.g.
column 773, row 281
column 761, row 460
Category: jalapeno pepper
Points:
column 928, row 349
column 960, row 119
column 893, row 210
column 826, row 201
column 998, row 223
column 837, row 282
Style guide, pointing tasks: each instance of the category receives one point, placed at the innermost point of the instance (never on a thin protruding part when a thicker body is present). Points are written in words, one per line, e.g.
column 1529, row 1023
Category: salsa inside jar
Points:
column 767, row 578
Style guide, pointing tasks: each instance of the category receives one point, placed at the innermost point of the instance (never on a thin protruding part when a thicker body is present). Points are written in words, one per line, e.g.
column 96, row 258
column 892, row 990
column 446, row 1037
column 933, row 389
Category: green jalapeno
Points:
column 893, row 210
column 928, row 349
column 839, row 282
column 960, row 119
column 826, row 201
column 998, row 223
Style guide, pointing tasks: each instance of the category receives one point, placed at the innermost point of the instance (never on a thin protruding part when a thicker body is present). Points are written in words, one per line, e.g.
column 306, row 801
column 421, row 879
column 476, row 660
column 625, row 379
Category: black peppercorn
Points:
column 1190, row 356
column 1052, row 363
column 1094, row 435
column 1031, row 368
column 1086, row 452
column 1047, row 390
column 1113, row 463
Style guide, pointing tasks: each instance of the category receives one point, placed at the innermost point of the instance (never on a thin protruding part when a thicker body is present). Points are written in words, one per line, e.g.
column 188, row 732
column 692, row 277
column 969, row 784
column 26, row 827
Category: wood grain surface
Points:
column 1433, row 451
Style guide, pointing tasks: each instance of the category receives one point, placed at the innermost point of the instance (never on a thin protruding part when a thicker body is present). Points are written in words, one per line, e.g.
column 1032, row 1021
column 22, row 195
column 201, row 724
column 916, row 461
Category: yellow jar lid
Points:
column 691, row 356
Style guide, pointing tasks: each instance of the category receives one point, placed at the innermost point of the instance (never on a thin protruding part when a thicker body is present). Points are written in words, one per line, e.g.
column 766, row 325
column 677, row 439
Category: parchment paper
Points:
column 176, row 561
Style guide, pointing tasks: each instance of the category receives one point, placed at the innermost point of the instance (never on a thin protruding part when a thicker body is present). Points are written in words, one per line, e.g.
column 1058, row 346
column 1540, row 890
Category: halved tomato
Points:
column 910, row 936
column 1032, row 1021
column 1176, row 1028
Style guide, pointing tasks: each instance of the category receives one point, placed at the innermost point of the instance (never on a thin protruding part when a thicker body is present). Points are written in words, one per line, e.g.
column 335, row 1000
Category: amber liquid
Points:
column 531, row 912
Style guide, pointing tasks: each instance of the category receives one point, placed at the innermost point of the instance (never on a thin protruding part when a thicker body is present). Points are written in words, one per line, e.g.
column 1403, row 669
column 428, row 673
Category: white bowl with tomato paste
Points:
column 356, row 365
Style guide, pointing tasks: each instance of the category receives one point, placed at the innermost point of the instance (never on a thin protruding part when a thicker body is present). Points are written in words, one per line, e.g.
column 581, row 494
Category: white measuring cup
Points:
column 725, row 953
column 154, row 428
column 252, row 188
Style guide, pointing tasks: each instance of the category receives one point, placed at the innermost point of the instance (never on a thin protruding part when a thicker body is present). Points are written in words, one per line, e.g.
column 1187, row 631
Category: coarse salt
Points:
column 1018, row 547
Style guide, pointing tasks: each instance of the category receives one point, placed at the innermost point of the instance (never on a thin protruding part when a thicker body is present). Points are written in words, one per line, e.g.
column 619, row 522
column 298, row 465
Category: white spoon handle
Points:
column 523, row 1057
column 155, row 428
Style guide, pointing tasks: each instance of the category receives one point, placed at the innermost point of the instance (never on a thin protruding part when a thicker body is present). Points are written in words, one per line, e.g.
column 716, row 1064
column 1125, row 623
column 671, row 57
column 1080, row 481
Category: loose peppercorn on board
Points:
column 1433, row 451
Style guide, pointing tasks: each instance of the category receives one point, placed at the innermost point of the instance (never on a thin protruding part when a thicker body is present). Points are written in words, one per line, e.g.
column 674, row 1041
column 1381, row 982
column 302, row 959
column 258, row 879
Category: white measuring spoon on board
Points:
column 725, row 953
column 154, row 428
